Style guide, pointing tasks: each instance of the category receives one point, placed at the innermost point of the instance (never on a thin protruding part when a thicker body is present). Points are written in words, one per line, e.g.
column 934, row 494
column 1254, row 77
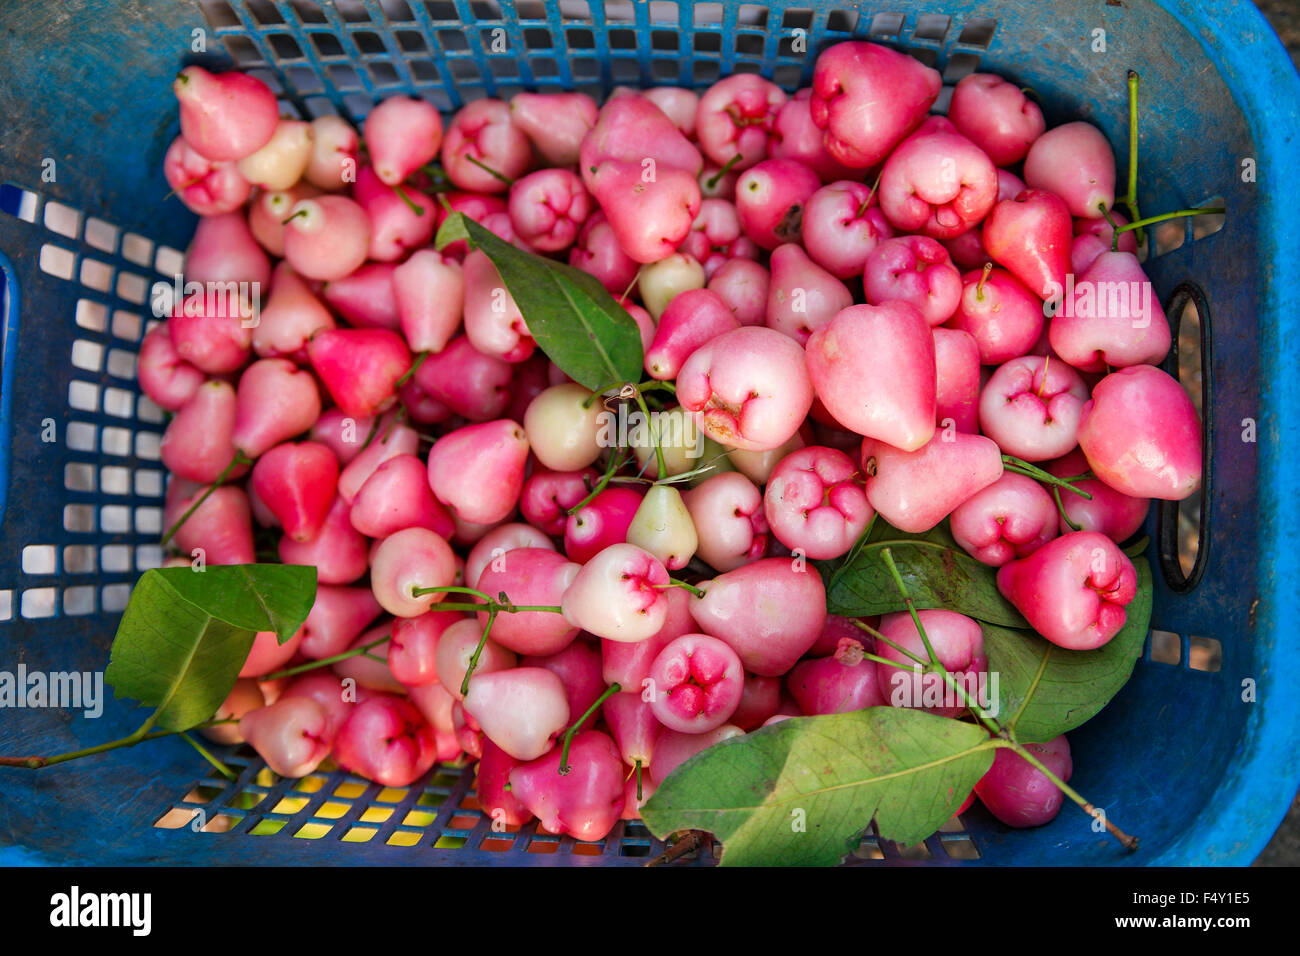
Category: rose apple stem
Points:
column 862, row 625
column 478, row 651
column 616, row 461
column 1177, row 214
column 1128, row 841
column 326, row 661
column 411, row 204
column 866, row 203
column 397, row 420
column 235, row 462
column 712, row 181
column 684, row 476
column 415, row 367
column 1131, row 196
column 621, row 386
column 207, row 755
column 628, row 291
column 1020, row 466
column 1056, row 496
column 1006, row 737
column 292, row 216
column 1114, row 229
column 676, row 583
column 979, row 286
column 654, row 435
column 183, row 186
column 935, row 665
column 36, row 763
column 638, row 781
column 610, row 691
column 490, row 171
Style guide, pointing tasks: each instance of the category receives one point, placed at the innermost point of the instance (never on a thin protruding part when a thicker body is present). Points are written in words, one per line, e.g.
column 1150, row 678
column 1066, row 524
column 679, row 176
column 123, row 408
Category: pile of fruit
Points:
column 581, row 412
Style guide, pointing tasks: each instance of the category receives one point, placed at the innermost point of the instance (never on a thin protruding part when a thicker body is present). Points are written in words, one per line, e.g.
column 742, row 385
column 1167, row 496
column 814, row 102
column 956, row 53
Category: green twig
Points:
column 235, row 462
column 610, row 691
column 207, row 755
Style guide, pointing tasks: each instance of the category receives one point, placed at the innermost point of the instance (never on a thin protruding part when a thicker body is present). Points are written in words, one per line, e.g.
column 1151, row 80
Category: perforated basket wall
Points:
column 1196, row 755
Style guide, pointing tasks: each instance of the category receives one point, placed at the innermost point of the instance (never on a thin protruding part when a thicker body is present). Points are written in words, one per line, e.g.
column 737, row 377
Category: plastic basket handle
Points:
column 1168, row 533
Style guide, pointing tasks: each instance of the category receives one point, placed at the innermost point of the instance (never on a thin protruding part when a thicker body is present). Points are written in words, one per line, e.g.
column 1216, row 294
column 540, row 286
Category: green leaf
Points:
column 1138, row 547
column 800, row 792
column 259, row 597
column 938, row 574
column 573, row 319
column 1045, row 690
column 185, row 634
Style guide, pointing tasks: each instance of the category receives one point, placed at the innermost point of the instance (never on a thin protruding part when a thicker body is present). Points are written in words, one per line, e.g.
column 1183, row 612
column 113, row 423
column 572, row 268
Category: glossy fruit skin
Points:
column 914, row 491
column 385, row 739
column 555, row 122
column 748, row 388
column 412, row 649
column 1141, row 434
column 522, row 710
column 409, row 559
column 227, row 116
column 1031, row 407
column 601, row 522
column 585, row 803
column 1021, row 795
column 492, row 787
column 1072, row 590
column 1074, row 161
column 770, row 611
column 290, row 735
column 996, row 116
column 207, row 188
column 673, row 749
column 842, row 224
column 618, row 594
column 485, row 131
column 1005, row 318
column 802, row 296
column 1113, row 319
column 812, row 502
column 478, row 470
column 402, row 134
column 1011, row 518
column 836, row 685
column 866, row 98
column 728, row 514
column 698, row 682
column 914, row 269
column 899, row 410
column 937, row 182
column 548, row 495
column 1031, row 236
column 770, row 200
column 736, row 117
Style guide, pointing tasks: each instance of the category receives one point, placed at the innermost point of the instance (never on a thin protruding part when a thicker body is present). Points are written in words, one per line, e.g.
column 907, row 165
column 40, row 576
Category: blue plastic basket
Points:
column 1180, row 758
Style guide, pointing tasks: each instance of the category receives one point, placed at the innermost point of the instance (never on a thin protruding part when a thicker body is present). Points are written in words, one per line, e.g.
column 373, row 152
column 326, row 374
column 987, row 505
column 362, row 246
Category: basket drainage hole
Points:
column 404, row 838
column 1205, row 654
column 175, row 818
column 1166, row 647
column 961, row 848
column 18, row 202
column 918, row 852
